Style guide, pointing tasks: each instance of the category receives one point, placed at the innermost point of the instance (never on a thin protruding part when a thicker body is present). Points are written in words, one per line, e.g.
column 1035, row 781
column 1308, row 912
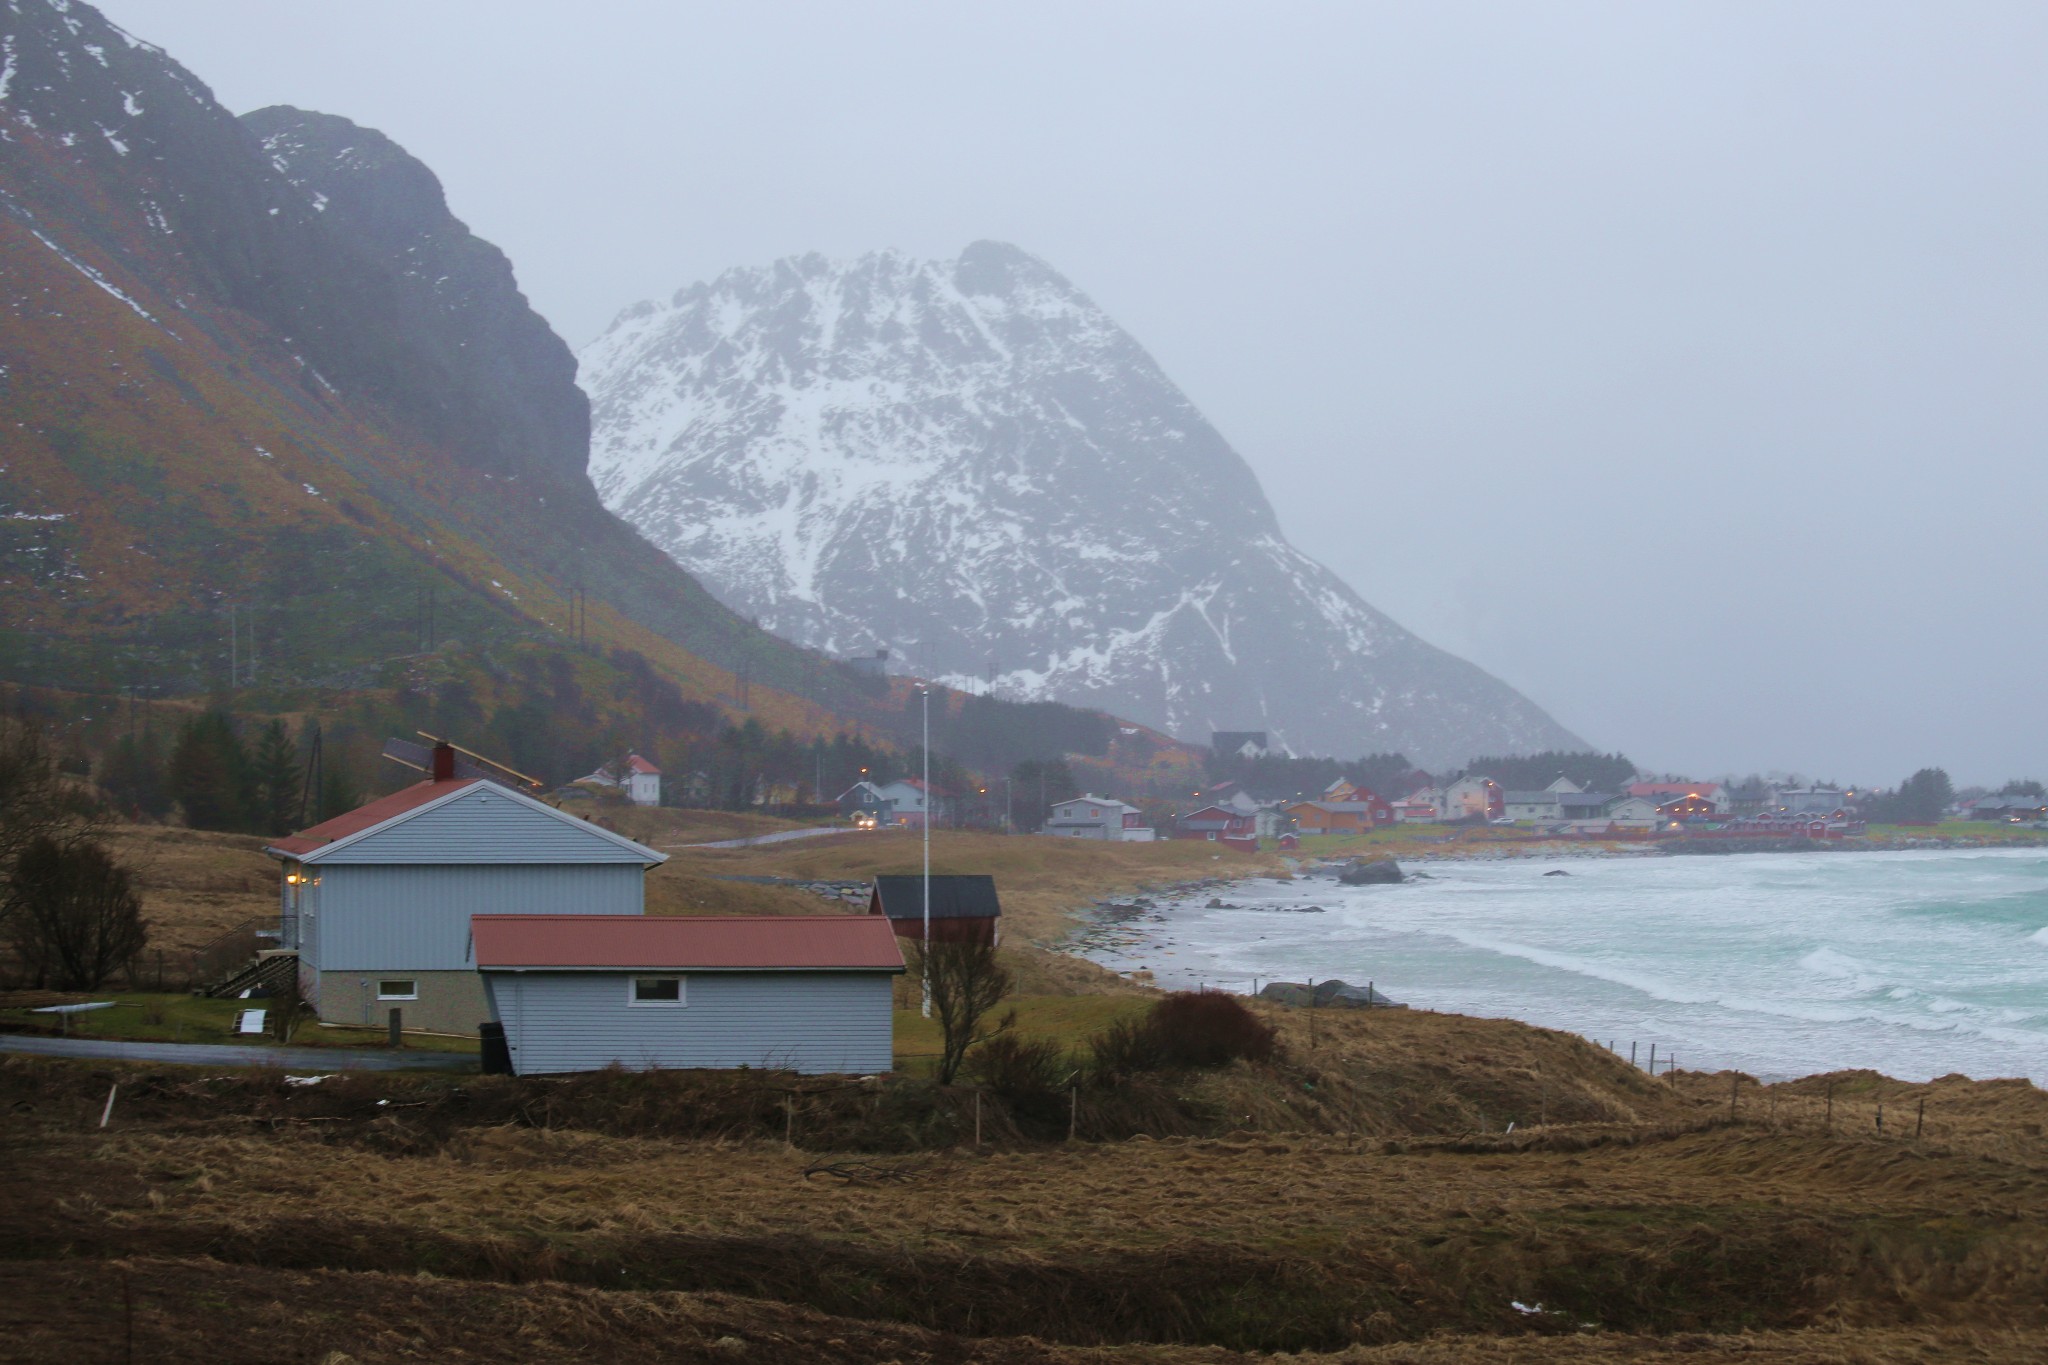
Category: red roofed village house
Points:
column 633, row 775
column 1346, row 792
column 377, row 902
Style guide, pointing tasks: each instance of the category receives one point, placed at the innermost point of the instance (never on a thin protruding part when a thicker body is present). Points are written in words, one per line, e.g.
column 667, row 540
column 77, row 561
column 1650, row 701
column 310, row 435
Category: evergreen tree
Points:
column 277, row 779
column 338, row 794
column 132, row 775
column 1036, row 786
column 1921, row 798
column 210, row 775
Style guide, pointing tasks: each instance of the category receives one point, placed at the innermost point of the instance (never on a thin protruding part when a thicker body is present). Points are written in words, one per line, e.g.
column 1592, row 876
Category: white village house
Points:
column 639, row 779
column 1099, row 817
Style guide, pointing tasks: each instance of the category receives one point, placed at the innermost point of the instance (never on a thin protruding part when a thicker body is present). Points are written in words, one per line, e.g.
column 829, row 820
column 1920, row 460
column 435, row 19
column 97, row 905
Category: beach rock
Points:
column 1557, row 872
column 1331, row 994
column 1376, row 872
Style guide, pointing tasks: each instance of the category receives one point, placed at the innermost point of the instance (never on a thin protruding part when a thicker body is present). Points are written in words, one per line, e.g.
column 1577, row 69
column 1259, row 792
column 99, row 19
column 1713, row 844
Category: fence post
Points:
column 397, row 1027
column 1653, row 1061
column 1919, row 1118
column 1631, row 1052
column 977, row 1120
column 1073, row 1110
column 1734, row 1085
column 1831, row 1109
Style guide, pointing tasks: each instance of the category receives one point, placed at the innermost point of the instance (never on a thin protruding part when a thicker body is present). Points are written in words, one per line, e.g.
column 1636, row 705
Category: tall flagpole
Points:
column 926, row 955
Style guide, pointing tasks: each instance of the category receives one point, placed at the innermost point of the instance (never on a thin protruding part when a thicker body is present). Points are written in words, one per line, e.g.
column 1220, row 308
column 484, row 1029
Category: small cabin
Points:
column 808, row 993
column 964, row 908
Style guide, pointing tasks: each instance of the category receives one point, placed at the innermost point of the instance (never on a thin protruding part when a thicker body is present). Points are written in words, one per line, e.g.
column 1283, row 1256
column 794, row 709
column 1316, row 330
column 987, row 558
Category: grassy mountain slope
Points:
column 221, row 388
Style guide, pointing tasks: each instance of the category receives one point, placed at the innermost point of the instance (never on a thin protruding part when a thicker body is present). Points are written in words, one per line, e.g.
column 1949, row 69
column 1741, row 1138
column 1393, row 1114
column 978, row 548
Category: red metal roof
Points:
column 363, row 817
column 687, row 942
column 637, row 764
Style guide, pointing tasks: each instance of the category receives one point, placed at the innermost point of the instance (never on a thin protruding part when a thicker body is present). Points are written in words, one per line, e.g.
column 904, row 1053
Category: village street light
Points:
column 925, row 956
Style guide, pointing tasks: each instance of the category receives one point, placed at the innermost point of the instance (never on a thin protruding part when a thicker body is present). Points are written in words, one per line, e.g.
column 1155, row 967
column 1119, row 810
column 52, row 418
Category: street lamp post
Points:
column 926, row 955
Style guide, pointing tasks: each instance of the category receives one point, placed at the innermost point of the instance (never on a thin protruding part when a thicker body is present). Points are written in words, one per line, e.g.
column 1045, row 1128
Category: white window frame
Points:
column 412, row 994
column 633, row 1000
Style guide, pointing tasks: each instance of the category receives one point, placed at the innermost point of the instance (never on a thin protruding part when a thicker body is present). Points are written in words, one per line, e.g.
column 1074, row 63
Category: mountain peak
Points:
column 998, row 268
column 970, row 462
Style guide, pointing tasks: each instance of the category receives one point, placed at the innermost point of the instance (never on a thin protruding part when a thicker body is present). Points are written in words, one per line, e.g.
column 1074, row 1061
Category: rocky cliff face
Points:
column 969, row 463
column 500, row 377
column 256, row 367
column 334, row 284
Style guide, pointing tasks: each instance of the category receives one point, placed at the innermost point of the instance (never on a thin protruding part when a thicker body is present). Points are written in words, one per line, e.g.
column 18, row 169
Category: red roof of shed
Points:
column 363, row 817
column 687, row 942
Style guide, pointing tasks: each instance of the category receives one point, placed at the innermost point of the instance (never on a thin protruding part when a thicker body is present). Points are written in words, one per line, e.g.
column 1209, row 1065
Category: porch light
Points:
column 292, row 877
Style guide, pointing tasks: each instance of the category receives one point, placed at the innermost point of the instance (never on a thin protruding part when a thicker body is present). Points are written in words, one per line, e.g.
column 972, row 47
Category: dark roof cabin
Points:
column 964, row 907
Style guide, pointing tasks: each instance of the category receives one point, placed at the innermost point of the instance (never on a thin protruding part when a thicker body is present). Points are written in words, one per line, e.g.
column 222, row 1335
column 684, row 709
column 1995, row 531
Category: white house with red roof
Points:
column 639, row 779
column 807, row 993
column 377, row 902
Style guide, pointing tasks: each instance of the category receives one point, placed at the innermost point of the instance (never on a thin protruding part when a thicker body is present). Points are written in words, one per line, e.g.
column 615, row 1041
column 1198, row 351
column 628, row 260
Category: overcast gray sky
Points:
column 1681, row 364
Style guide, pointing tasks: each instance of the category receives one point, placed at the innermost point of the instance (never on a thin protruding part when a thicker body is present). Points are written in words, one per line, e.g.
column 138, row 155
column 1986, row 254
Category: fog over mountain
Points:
column 970, row 464
column 1679, row 364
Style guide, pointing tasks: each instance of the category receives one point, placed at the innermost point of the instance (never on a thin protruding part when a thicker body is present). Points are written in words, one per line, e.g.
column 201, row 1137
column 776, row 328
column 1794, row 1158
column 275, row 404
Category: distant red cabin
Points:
column 1217, row 823
column 964, row 908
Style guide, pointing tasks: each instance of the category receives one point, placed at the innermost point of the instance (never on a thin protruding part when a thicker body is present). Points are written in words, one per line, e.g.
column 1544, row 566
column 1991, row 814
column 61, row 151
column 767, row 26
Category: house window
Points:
column 398, row 990
column 655, row 990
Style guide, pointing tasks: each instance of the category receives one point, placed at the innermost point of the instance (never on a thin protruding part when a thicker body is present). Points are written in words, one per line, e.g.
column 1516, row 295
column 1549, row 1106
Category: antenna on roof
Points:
column 471, row 765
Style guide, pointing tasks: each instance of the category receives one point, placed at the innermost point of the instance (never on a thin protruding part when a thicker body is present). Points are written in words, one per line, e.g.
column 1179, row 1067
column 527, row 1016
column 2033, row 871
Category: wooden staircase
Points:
column 273, row 972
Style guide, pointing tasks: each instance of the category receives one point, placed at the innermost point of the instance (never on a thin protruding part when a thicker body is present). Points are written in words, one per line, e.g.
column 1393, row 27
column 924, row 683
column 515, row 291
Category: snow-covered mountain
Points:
column 969, row 463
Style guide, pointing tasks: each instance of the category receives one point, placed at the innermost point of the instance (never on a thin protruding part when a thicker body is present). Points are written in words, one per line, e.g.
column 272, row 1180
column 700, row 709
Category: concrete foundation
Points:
column 449, row 1002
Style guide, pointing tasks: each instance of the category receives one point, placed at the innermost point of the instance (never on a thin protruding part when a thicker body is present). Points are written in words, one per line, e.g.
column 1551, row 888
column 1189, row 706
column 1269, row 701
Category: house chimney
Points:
column 444, row 762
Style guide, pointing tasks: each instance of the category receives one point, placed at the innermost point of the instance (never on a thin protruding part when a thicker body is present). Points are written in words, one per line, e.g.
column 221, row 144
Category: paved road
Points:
column 228, row 1054
column 780, row 836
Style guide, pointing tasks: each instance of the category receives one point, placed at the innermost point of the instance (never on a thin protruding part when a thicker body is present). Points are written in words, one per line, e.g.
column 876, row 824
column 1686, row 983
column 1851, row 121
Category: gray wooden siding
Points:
column 486, row 826
column 801, row 1021
column 309, row 922
column 417, row 918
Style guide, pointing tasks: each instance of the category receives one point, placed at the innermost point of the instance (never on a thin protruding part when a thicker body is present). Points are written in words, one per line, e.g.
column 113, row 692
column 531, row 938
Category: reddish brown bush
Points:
column 1185, row 1030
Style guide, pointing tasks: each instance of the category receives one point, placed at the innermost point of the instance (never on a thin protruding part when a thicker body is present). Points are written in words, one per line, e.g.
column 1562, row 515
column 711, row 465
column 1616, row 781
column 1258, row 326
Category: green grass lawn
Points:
column 176, row 1018
column 1068, row 1019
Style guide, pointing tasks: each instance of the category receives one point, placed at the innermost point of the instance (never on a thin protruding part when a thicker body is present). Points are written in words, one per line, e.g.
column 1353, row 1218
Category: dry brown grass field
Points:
column 195, row 884
column 1356, row 1199
column 1396, row 1186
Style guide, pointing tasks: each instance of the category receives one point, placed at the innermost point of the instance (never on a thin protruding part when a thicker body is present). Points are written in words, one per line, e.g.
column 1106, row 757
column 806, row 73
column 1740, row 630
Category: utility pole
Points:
column 234, row 646
column 926, row 955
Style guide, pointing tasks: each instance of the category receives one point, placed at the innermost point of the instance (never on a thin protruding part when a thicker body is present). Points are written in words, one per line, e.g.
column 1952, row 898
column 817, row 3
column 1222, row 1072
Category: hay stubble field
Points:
column 1357, row 1198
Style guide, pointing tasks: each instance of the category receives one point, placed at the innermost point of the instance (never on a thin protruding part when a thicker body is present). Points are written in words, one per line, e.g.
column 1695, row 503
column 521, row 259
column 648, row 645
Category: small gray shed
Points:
column 804, row 993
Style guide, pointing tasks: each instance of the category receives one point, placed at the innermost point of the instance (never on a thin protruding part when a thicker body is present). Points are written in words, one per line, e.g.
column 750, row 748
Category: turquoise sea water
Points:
column 1916, row 964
